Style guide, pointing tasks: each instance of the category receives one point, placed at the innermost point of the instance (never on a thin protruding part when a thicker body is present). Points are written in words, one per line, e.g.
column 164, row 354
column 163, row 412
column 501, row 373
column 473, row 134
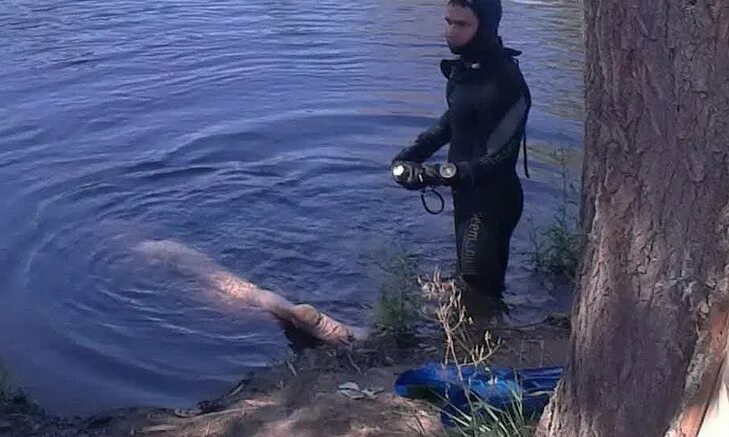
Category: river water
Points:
column 258, row 132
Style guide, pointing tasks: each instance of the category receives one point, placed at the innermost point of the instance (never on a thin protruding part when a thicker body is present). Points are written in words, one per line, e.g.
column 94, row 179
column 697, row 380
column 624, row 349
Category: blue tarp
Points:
column 497, row 387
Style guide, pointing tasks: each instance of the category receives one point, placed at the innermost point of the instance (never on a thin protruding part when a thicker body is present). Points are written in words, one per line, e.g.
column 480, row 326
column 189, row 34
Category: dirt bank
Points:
column 303, row 397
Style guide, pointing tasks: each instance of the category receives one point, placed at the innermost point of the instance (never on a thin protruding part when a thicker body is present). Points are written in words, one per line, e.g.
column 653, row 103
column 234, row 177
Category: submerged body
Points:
column 191, row 263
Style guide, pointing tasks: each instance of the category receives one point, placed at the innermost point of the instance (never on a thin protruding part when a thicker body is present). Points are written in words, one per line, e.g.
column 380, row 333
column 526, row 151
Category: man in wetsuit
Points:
column 488, row 104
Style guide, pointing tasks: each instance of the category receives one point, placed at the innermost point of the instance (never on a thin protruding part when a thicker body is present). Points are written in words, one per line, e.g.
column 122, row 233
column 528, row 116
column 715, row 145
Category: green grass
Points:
column 558, row 246
column 465, row 346
column 486, row 421
column 6, row 390
column 398, row 305
column 9, row 391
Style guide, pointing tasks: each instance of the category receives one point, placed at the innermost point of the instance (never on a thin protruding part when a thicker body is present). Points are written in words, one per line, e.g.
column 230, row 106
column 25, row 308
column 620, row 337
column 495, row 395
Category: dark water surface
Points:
column 258, row 132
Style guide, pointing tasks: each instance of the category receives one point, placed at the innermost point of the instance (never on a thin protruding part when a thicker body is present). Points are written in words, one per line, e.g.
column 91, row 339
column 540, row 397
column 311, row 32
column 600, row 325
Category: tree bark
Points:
column 650, row 314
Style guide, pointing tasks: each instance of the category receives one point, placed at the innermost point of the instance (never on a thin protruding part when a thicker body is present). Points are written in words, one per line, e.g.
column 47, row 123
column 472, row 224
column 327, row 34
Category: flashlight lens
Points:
column 447, row 170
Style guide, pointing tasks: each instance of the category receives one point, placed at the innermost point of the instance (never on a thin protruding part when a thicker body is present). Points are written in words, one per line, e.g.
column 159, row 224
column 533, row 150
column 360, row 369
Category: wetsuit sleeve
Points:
column 502, row 140
column 428, row 142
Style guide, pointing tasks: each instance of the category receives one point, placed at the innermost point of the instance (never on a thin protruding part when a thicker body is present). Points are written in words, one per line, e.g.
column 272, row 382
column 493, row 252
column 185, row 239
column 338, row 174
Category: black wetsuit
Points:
column 488, row 105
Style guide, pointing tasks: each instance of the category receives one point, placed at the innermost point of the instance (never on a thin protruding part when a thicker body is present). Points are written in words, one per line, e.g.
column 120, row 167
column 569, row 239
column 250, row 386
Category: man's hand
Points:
column 449, row 174
column 414, row 176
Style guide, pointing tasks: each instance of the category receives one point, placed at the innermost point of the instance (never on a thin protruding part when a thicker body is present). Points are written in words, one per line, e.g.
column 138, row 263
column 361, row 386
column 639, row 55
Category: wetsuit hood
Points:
column 485, row 41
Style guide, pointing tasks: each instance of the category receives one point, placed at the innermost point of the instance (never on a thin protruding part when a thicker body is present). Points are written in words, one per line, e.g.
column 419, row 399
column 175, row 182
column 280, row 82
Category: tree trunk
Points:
column 650, row 318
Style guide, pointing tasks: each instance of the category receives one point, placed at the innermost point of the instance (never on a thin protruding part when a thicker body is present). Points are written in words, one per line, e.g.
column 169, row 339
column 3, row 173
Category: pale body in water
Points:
column 191, row 263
